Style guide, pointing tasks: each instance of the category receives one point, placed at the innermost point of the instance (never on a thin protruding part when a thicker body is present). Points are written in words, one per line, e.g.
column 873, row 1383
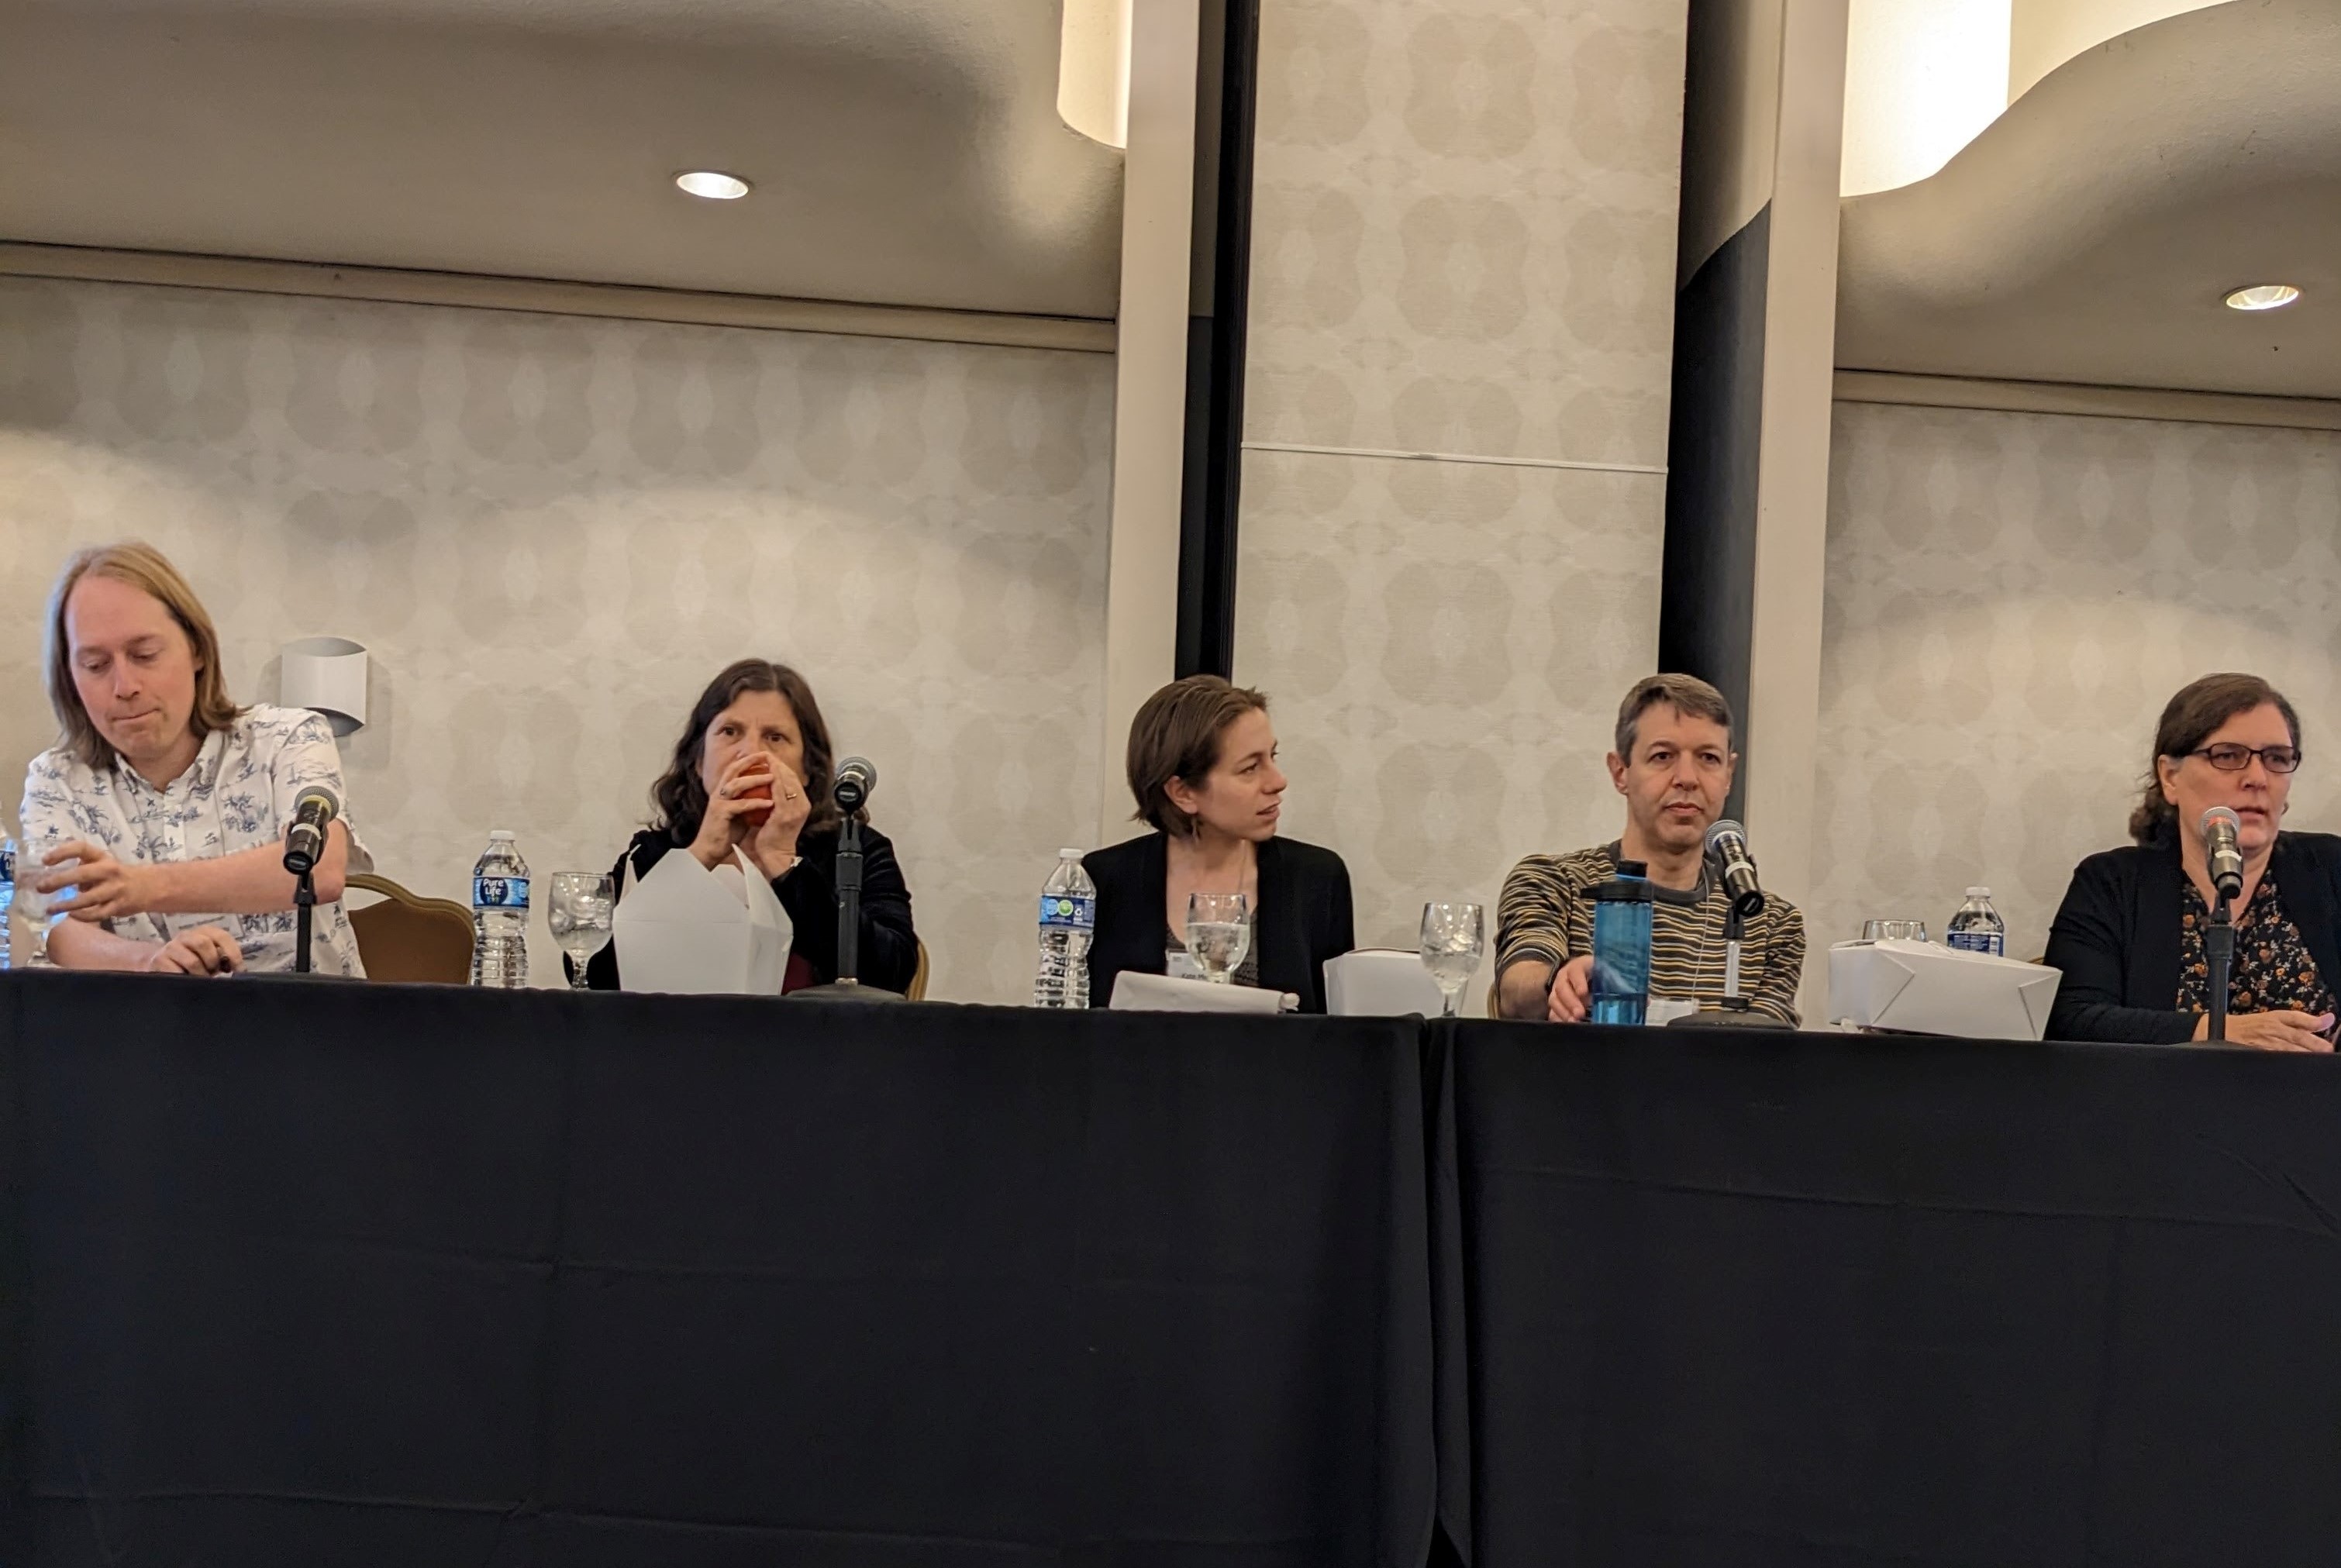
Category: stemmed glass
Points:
column 1453, row 938
column 1219, row 934
column 580, row 914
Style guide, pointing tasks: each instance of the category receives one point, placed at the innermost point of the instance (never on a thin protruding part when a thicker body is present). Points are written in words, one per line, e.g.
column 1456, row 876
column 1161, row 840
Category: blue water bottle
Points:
column 1621, row 945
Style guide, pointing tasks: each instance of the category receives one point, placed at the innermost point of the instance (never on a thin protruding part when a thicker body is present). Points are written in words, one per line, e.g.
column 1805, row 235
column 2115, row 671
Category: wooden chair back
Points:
column 409, row 937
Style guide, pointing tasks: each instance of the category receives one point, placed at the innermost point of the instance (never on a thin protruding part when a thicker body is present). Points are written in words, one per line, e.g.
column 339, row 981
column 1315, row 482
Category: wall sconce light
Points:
column 1093, row 69
column 327, row 675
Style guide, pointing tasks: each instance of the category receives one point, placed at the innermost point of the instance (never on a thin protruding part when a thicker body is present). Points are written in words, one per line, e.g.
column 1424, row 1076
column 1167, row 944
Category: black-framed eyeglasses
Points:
column 2229, row 758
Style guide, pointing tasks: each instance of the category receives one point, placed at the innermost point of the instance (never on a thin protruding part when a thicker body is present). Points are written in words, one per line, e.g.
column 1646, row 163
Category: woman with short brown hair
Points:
column 2129, row 936
column 1203, row 772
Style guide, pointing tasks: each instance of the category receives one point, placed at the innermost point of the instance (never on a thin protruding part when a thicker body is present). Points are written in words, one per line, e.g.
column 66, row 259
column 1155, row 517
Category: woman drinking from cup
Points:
column 751, row 775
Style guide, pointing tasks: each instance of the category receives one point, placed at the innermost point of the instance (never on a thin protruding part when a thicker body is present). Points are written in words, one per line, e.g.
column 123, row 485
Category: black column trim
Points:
column 1216, row 338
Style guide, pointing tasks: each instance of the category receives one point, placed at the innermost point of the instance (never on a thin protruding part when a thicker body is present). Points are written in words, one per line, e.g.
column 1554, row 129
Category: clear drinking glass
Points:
column 580, row 912
column 1903, row 930
column 1219, row 933
column 29, row 919
column 1454, row 936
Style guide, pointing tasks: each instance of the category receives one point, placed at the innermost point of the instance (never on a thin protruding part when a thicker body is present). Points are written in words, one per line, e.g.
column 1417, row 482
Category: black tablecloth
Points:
column 1827, row 1301
column 300, row 1273
column 369, row 1276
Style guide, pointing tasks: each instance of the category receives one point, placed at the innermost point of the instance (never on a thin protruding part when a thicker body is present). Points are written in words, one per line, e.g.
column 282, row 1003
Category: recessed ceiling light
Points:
column 2263, row 297
column 715, row 187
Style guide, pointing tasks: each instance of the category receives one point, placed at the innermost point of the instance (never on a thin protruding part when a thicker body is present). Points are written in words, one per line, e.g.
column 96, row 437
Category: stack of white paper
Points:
column 1134, row 992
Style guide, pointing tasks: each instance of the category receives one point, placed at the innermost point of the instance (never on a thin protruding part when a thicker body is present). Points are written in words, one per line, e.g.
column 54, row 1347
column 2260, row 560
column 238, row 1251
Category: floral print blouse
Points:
column 2272, row 971
column 237, row 795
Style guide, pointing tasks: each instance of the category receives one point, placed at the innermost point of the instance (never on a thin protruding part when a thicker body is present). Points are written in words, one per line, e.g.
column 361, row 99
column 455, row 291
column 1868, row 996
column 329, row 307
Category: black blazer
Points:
column 890, row 947
column 1304, row 915
column 2116, row 937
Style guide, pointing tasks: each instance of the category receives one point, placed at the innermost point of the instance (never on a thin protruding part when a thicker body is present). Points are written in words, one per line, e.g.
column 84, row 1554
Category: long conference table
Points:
column 308, row 1273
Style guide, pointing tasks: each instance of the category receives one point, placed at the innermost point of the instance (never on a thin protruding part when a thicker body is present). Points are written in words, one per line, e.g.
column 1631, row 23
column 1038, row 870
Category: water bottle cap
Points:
column 1070, row 854
column 503, row 833
column 1633, row 868
column 1978, row 892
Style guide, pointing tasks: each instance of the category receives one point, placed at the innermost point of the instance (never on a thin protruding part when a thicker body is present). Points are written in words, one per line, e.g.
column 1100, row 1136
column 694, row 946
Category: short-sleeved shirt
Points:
column 1545, row 913
column 238, row 795
column 2272, row 972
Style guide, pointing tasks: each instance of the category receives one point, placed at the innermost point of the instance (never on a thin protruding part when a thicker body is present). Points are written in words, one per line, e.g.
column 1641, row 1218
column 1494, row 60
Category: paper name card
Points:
column 1921, row 988
column 1137, row 993
column 1380, row 983
column 687, row 930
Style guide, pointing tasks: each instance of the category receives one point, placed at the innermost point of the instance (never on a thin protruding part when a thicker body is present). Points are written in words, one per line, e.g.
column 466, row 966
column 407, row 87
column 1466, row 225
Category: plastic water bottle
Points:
column 1067, row 922
column 1977, row 927
column 499, row 916
column 1621, row 947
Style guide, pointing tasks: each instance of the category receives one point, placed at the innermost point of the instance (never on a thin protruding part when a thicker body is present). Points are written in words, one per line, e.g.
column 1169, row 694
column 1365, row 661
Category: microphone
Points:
column 313, row 810
column 857, row 780
column 2219, row 827
column 1728, row 842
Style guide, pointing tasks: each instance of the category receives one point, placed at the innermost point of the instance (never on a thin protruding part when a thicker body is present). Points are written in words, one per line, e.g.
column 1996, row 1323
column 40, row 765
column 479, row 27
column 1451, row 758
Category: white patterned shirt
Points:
column 238, row 796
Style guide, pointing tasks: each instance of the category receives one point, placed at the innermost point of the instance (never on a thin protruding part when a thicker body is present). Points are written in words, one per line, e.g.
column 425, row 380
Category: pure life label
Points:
column 500, row 893
column 1068, row 912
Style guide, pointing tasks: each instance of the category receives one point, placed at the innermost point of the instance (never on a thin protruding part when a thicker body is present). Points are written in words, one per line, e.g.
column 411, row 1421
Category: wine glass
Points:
column 1453, row 938
column 1219, row 933
column 580, row 914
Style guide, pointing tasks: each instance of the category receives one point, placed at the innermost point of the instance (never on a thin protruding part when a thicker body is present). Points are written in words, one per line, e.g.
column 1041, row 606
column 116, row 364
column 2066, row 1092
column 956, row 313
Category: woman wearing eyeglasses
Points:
column 2129, row 935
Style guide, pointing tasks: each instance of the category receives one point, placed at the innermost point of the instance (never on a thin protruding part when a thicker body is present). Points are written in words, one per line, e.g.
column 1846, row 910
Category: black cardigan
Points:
column 890, row 947
column 2116, row 937
column 1304, row 915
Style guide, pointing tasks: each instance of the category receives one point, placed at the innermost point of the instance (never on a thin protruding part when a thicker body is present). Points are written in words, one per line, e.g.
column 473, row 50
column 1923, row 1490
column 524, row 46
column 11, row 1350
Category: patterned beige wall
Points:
column 1464, row 246
column 551, row 532
column 2011, row 599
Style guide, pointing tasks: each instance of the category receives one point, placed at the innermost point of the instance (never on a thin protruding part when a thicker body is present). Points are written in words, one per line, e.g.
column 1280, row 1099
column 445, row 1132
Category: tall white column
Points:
column 1141, row 613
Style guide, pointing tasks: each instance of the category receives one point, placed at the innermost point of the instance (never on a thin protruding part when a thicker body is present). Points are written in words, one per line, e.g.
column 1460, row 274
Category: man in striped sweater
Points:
column 1673, row 764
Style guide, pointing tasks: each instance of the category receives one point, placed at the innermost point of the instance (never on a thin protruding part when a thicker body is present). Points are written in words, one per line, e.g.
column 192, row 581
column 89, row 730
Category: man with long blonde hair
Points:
column 157, row 822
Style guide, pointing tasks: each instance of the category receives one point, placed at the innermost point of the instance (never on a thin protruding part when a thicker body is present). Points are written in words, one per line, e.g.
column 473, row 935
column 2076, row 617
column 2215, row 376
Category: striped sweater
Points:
column 1546, row 915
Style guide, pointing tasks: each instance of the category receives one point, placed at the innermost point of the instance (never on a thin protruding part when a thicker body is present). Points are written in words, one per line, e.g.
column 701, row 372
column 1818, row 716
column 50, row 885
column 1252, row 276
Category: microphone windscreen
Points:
column 1725, row 828
column 323, row 796
column 2219, row 814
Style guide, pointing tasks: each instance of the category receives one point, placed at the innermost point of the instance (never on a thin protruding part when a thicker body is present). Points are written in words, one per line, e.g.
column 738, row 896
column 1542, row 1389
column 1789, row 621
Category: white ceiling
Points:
column 2090, row 233
column 903, row 152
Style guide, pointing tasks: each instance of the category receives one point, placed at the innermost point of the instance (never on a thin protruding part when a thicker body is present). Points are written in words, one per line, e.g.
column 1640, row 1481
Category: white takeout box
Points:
column 684, row 928
column 1380, row 983
column 1925, row 990
column 1137, row 993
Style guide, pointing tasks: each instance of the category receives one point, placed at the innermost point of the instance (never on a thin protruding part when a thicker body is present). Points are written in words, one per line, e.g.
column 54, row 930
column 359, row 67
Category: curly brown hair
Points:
column 679, row 800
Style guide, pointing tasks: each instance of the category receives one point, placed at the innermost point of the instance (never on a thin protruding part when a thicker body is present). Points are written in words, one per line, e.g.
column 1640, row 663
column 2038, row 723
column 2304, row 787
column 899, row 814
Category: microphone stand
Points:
column 1735, row 932
column 304, row 901
column 848, row 987
column 2219, row 947
column 849, row 902
column 1735, row 1011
